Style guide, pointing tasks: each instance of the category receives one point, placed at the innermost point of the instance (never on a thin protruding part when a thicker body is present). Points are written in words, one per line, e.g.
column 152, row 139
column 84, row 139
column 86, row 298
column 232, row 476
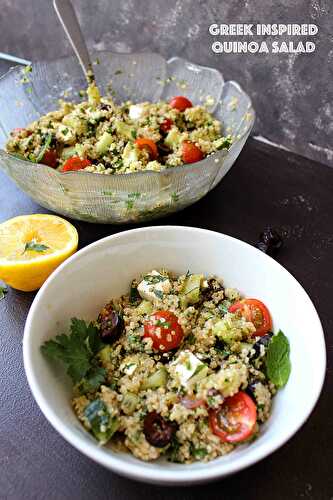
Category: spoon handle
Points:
column 70, row 23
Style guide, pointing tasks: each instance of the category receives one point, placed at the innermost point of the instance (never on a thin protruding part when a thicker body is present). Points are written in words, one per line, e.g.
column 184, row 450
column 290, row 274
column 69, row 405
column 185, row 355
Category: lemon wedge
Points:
column 32, row 246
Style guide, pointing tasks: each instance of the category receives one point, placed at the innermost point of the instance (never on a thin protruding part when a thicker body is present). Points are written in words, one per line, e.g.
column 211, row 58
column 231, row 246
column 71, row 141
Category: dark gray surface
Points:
column 292, row 94
column 265, row 186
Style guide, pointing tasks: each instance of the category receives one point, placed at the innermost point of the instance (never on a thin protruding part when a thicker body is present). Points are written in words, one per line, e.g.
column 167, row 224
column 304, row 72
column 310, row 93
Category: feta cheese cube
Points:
column 186, row 365
column 136, row 111
column 128, row 368
column 65, row 134
column 154, row 286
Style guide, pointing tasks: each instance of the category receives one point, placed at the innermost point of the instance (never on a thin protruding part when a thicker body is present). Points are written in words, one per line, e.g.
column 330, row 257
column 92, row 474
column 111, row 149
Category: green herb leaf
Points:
column 35, row 247
column 277, row 360
column 92, row 381
column 152, row 279
column 133, row 133
column 159, row 294
column 199, row 453
column 44, row 148
column 76, row 350
column 3, row 291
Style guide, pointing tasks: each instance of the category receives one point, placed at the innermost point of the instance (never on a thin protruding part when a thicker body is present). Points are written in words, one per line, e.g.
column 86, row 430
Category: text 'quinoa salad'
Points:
column 180, row 366
column 101, row 137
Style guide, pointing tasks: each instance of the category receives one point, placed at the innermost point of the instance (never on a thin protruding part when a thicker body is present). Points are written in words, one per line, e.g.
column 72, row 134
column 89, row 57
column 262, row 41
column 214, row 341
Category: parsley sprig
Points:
column 77, row 351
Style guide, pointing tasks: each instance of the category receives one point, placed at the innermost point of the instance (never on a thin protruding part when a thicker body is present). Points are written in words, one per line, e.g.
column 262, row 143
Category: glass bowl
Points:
column 124, row 198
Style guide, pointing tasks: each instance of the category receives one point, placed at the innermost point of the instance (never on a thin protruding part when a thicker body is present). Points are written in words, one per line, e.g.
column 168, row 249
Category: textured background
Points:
column 293, row 94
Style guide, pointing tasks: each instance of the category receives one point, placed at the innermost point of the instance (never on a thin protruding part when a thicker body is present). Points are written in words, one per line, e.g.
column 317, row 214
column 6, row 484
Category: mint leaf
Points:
column 77, row 350
column 34, row 246
column 278, row 364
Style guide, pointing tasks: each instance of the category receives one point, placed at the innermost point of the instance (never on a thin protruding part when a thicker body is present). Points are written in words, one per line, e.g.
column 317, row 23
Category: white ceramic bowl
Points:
column 88, row 279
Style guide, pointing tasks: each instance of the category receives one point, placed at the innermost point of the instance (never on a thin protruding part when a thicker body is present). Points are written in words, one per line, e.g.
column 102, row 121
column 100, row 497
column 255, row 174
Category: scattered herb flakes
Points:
column 130, row 204
column 118, row 72
column 3, row 291
column 152, row 279
column 34, row 246
column 174, row 197
column 134, row 195
column 278, row 360
column 159, row 294
column 191, row 339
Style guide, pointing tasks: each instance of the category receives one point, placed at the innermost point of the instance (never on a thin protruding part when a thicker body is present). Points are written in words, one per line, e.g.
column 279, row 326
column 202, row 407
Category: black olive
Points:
column 270, row 241
column 166, row 357
column 250, row 390
column 211, row 287
column 157, row 430
column 104, row 107
column 111, row 324
column 163, row 149
column 219, row 345
column 264, row 340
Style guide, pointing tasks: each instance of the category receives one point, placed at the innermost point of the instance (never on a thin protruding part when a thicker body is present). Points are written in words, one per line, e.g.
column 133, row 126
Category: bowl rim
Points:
column 174, row 476
column 200, row 164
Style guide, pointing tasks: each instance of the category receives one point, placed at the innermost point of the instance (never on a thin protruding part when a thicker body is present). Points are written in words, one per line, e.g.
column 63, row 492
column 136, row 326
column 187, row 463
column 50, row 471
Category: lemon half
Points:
column 32, row 246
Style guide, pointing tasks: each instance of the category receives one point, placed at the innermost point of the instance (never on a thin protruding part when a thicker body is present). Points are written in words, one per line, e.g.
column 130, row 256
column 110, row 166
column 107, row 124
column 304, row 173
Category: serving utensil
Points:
column 70, row 23
column 17, row 60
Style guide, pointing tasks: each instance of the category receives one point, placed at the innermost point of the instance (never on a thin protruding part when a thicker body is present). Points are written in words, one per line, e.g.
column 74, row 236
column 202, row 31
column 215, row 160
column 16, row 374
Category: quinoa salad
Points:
column 180, row 367
column 100, row 136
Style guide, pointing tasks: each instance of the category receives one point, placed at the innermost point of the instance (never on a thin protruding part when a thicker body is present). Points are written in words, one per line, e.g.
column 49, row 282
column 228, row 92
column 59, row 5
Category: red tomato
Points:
column 50, row 158
column 149, row 145
column 191, row 403
column 166, row 125
column 75, row 163
column 191, row 153
column 180, row 102
column 254, row 310
column 164, row 330
column 234, row 421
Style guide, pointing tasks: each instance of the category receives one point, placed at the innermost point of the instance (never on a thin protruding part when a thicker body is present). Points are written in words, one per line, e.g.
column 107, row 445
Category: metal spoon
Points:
column 70, row 23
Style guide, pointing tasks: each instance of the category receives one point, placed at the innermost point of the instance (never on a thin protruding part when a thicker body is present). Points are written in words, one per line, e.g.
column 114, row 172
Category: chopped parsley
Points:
column 159, row 294
column 153, row 279
column 34, row 246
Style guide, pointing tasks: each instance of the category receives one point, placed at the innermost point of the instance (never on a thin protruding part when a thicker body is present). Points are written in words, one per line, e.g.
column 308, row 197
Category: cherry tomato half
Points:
column 75, row 163
column 234, row 421
column 180, row 102
column 164, row 330
column 191, row 153
column 149, row 145
column 166, row 125
column 50, row 158
column 254, row 310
